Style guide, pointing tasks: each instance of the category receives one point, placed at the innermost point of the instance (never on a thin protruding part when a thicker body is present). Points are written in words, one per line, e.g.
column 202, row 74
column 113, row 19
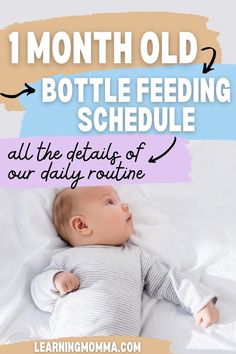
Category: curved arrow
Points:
column 152, row 160
column 29, row 90
column 207, row 68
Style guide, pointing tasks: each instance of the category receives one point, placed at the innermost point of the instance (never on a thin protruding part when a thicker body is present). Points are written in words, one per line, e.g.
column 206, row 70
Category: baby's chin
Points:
column 126, row 237
column 119, row 240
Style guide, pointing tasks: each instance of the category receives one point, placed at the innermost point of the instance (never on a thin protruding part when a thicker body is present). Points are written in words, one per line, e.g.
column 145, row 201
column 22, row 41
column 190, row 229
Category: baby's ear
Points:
column 78, row 224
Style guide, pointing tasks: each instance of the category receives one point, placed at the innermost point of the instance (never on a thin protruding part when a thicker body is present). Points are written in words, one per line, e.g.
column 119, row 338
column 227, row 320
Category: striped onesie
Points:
column 112, row 281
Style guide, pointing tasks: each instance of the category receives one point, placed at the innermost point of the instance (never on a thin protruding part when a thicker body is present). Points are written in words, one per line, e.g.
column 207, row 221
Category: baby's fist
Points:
column 66, row 282
column 207, row 316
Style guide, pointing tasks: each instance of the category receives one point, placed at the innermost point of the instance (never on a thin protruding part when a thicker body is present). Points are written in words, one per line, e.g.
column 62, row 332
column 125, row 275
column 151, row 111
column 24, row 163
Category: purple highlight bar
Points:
column 97, row 160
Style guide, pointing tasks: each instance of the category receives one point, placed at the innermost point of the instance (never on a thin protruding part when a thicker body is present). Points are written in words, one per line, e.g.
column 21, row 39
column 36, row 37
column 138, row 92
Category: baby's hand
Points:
column 66, row 282
column 207, row 316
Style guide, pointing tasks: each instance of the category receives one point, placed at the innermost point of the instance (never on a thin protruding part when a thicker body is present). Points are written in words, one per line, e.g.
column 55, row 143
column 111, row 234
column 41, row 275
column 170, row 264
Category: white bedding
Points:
column 192, row 226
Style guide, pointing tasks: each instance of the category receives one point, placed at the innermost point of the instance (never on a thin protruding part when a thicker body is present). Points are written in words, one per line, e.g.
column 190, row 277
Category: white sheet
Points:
column 192, row 226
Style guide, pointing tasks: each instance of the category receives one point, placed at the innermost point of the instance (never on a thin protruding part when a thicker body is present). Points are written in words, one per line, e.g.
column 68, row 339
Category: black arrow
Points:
column 207, row 68
column 152, row 160
column 28, row 90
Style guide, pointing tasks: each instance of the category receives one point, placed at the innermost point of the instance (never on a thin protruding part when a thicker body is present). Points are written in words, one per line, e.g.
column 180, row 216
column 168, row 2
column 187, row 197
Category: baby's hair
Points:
column 61, row 212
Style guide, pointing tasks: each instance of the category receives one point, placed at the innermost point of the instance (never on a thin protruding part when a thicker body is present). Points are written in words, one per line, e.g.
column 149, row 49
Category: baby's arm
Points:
column 162, row 282
column 53, row 282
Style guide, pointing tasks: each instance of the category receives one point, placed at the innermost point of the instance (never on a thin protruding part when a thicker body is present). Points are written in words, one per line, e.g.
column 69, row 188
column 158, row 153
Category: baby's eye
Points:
column 109, row 202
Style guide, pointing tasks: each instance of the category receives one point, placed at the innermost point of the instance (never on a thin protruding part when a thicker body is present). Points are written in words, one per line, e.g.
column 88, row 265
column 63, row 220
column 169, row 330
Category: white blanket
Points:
column 192, row 226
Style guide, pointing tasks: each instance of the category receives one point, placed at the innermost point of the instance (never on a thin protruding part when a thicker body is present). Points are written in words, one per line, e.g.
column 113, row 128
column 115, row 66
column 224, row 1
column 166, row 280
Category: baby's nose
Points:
column 125, row 207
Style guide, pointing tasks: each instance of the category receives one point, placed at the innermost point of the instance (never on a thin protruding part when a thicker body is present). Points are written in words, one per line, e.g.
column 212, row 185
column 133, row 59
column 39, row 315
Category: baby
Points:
column 95, row 287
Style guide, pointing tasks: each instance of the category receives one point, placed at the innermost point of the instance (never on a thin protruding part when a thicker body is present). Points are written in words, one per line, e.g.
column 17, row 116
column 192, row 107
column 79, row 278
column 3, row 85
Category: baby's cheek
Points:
column 110, row 217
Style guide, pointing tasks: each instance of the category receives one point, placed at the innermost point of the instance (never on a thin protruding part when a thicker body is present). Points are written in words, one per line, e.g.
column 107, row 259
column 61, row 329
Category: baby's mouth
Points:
column 129, row 217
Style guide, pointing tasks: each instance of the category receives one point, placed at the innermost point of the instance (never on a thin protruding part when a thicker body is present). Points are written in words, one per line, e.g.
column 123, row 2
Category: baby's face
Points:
column 106, row 219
